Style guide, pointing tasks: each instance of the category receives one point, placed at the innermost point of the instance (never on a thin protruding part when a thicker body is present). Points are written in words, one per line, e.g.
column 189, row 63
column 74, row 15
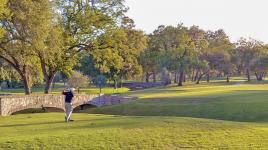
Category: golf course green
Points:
column 214, row 115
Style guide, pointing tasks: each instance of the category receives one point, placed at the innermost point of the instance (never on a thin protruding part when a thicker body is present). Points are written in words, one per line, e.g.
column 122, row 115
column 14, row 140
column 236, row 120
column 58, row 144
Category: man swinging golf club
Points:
column 69, row 94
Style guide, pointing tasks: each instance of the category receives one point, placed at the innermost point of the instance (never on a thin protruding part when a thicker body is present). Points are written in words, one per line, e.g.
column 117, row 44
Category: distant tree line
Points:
column 180, row 53
column 42, row 40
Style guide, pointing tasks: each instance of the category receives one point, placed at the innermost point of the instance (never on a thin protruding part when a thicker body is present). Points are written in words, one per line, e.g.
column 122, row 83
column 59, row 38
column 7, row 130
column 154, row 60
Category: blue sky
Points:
column 239, row 18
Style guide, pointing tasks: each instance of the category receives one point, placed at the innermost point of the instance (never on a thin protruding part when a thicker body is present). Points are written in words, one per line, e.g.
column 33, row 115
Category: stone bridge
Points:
column 12, row 104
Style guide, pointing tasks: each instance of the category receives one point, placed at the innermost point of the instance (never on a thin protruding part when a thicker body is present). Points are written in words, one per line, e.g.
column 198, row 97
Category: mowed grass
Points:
column 205, row 116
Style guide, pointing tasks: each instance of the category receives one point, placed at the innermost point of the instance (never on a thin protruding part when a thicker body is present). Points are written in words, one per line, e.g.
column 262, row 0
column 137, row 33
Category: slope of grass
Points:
column 205, row 116
column 234, row 102
column 48, row 131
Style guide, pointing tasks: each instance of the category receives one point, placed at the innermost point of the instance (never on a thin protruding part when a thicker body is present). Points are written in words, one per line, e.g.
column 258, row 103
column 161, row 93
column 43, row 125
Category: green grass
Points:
column 205, row 116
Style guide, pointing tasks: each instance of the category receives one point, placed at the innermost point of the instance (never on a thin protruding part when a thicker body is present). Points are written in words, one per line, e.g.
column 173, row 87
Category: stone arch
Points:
column 12, row 104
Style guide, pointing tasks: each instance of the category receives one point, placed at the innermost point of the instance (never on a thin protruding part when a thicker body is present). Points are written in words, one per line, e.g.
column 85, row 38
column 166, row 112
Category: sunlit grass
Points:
column 215, row 115
column 48, row 131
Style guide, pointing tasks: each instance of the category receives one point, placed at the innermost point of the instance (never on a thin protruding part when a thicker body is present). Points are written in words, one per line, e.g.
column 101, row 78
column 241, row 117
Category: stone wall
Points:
column 11, row 104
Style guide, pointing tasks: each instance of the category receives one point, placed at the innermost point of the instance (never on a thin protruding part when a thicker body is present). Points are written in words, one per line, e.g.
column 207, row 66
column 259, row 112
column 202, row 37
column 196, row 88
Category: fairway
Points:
column 206, row 116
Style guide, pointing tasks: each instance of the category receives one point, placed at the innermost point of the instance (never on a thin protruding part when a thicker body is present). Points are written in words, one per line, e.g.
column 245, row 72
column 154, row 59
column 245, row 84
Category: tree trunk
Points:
column 239, row 70
column 200, row 77
column 184, row 78
column 115, row 84
column 260, row 76
column 27, row 86
column 227, row 79
column 8, row 84
column 196, row 75
column 48, row 73
column 181, row 78
column 154, row 76
column 175, row 77
column 193, row 73
column 48, row 83
column 147, row 77
column 248, row 74
column 22, row 70
column 208, row 77
column 121, row 82
column 257, row 77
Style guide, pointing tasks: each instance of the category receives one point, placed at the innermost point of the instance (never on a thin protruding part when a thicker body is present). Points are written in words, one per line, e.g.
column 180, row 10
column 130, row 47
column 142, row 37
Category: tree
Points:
column 149, row 59
column 166, row 48
column 260, row 63
column 135, row 44
column 202, row 69
column 87, row 26
column 182, row 46
column 23, row 34
column 198, row 61
column 85, row 20
column 118, row 55
column 247, row 50
column 107, row 58
column 73, row 28
column 54, row 57
column 219, row 53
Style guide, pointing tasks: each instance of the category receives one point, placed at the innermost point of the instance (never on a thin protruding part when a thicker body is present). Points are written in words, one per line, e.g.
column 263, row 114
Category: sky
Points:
column 238, row 18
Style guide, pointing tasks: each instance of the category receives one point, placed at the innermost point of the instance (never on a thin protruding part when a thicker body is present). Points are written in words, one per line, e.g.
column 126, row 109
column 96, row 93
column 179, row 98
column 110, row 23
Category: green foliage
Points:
column 53, row 33
column 178, row 49
column 84, row 22
column 25, row 31
column 87, row 65
column 4, row 13
column 219, row 51
column 116, row 54
column 6, row 72
column 247, row 50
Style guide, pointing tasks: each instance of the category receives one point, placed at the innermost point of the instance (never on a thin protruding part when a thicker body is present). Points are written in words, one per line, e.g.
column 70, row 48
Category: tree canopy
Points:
column 40, row 38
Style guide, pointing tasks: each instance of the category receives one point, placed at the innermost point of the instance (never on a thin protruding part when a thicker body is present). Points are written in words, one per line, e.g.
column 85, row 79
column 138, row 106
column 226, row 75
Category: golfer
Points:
column 69, row 94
